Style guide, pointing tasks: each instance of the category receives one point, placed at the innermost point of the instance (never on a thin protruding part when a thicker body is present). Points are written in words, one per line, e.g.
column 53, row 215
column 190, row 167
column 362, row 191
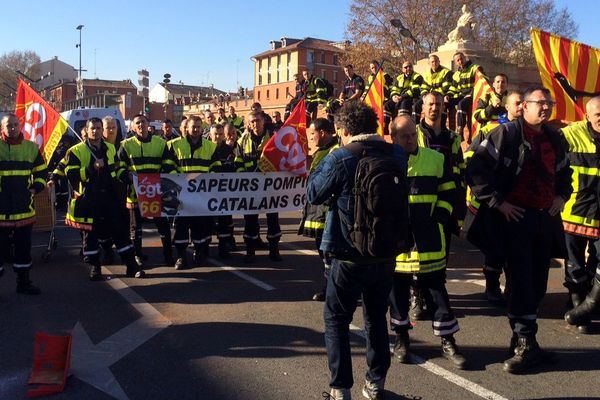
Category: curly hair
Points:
column 356, row 117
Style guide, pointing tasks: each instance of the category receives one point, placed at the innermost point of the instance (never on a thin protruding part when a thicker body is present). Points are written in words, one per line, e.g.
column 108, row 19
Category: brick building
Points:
column 274, row 69
column 61, row 95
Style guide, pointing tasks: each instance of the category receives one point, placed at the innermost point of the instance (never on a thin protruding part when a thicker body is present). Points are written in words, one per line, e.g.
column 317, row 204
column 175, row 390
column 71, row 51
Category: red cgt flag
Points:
column 40, row 123
column 286, row 150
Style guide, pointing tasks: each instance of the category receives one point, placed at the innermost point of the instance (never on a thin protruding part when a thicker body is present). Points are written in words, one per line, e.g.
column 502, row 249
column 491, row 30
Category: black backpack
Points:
column 381, row 225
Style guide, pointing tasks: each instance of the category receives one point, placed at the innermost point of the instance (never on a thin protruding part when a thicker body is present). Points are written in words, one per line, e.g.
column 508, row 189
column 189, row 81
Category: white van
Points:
column 77, row 117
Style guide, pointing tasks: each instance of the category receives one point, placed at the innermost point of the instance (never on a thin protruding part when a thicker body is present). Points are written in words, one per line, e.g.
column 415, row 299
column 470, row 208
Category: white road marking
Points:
column 466, row 384
column 91, row 362
column 242, row 275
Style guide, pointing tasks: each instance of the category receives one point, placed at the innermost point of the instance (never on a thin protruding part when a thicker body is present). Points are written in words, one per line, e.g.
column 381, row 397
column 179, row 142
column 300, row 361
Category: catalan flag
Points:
column 570, row 70
column 374, row 97
column 40, row 123
column 480, row 89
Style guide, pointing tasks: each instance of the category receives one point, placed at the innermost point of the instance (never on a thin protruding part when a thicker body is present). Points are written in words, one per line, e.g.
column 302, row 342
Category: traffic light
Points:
column 147, row 106
column 166, row 80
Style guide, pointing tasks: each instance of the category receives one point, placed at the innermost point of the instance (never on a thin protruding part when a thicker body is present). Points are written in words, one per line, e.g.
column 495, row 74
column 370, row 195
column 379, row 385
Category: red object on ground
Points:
column 51, row 360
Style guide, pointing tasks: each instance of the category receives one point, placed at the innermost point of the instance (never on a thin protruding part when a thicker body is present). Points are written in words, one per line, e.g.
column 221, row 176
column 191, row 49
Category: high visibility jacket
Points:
column 431, row 191
column 408, row 86
column 463, row 80
column 137, row 156
column 486, row 112
column 313, row 217
column 581, row 212
column 316, row 91
column 238, row 122
column 388, row 82
column 86, row 182
column 21, row 168
column 448, row 143
column 437, row 81
column 195, row 158
column 251, row 152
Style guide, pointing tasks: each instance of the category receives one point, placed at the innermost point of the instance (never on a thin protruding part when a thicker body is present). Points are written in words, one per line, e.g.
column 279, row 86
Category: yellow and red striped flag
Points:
column 374, row 98
column 481, row 88
column 40, row 123
column 570, row 70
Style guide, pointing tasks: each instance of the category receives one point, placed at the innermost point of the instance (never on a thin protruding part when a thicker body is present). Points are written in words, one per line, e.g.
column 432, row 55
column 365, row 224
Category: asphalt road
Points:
column 245, row 332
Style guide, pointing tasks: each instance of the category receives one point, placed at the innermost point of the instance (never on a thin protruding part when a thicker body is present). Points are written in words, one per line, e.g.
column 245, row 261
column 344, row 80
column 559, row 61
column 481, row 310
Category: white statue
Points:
column 466, row 29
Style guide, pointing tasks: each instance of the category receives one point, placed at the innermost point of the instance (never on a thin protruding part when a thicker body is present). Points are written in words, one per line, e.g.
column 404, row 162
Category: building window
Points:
column 323, row 74
column 289, row 65
column 269, row 77
column 310, row 58
column 258, row 96
column 335, row 93
column 278, row 67
column 276, row 94
column 322, row 57
column 335, row 59
column 259, row 78
column 268, row 94
column 335, row 76
column 287, row 92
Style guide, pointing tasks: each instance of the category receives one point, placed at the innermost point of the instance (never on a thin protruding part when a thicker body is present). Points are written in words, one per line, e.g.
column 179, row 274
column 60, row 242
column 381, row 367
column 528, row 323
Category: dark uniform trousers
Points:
column 224, row 227
column 198, row 229
column 108, row 223
column 579, row 272
column 438, row 303
column 252, row 228
column 22, row 241
column 162, row 226
column 464, row 106
column 527, row 246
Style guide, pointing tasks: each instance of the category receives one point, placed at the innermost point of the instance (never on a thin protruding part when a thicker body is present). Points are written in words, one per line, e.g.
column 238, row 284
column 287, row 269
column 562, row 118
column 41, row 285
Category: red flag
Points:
column 286, row 150
column 570, row 70
column 40, row 123
column 480, row 89
column 374, row 98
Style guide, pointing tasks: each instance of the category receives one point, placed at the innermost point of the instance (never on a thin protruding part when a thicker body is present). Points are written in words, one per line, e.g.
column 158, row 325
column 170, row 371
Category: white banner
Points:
column 196, row 194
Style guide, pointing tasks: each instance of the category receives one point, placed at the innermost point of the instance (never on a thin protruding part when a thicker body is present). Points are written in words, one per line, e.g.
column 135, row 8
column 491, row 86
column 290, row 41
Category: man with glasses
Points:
column 520, row 173
column 404, row 93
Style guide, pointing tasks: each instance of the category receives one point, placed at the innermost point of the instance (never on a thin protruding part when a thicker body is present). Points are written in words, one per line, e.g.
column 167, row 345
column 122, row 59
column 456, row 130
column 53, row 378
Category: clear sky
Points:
column 197, row 42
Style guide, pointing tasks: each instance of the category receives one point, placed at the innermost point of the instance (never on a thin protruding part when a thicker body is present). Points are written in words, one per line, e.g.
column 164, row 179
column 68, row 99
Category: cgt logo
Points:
column 149, row 186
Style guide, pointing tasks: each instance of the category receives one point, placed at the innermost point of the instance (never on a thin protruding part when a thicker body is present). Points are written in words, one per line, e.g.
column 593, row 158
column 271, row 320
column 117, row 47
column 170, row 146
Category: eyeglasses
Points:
column 541, row 103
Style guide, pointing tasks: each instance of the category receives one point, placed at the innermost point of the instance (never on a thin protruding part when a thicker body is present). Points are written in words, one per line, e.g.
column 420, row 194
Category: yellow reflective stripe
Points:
column 40, row 180
column 194, row 168
column 445, row 204
column 580, row 220
column 314, row 225
column 446, row 186
column 13, row 217
column 15, row 172
column 145, row 167
column 422, row 198
column 416, row 267
column 456, row 170
column 40, row 167
column 586, row 170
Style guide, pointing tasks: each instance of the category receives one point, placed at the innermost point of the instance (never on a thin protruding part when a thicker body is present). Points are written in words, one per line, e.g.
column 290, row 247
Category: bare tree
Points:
column 504, row 28
column 24, row 61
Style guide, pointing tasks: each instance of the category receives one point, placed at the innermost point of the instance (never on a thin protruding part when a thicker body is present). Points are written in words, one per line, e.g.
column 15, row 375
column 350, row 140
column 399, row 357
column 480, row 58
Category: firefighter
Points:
column 405, row 92
column 96, row 209
column 251, row 143
column 22, row 175
column 461, row 92
column 193, row 153
column 431, row 189
column 492, row 106
column 143, row 153
column 237, row 121
column 432, row 134
column 323, row 140
column 315, row 94
column 581, row 216
column 437, row 79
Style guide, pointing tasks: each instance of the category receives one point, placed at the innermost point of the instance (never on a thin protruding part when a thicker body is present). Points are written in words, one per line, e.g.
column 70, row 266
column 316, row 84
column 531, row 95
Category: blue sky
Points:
column 198, row 43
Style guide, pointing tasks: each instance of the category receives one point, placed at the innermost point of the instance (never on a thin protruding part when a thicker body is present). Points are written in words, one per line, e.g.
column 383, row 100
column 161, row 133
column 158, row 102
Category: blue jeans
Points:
column 346, row 284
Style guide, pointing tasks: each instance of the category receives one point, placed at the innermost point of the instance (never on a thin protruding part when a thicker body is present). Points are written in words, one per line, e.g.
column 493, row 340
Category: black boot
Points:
column 182, row 259
column 274, row 251
column 96, row 272
column 108, row 257
column 200, row 254
column 450, row 352
column 417, row 303
column 402, row 345
column 581, row 314
column 259, row 244
column 133, row 268
column 167, row 246
column 24, row 284
column 139, row 256
column 492, row 289
column 250, row 252
column 527, row 354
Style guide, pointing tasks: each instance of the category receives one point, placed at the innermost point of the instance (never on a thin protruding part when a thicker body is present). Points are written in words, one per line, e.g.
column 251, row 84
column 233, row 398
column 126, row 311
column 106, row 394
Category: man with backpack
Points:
column 359, row 180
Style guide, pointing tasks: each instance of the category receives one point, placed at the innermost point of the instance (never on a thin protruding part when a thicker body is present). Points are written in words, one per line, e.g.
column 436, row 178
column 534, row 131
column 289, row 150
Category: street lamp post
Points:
column 79, row 79
column 404, row 31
